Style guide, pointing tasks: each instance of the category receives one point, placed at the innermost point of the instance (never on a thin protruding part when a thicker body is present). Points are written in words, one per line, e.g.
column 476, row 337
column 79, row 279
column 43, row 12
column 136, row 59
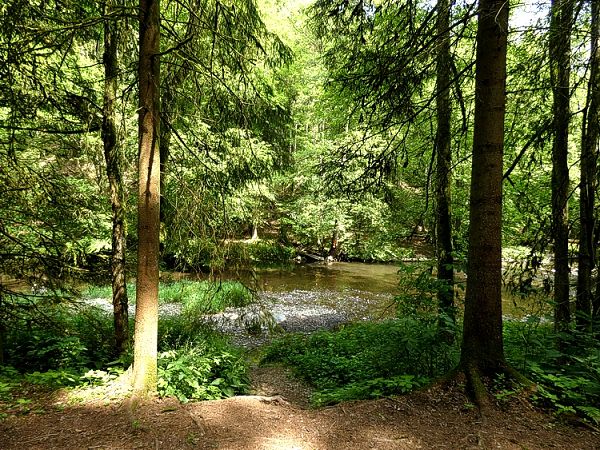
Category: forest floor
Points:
column 278, row 416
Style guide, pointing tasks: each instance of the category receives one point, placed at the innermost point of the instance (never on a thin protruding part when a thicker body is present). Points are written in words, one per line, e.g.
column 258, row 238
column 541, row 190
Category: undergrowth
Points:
column 201, row 372
column 567, row 376
column 57, row 345
column 366, row 360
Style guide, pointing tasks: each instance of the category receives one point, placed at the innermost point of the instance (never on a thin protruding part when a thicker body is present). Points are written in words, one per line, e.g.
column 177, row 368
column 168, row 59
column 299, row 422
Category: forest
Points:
column 350, row 202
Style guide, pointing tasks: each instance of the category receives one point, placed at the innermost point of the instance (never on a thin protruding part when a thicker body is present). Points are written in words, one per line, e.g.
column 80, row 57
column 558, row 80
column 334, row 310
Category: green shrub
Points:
column 269, row 252
column 367, row 359
column 568, row 377
column 374, row 388
column 54, row 378
column 177, row 332
column 58, row 337
column 201, row 373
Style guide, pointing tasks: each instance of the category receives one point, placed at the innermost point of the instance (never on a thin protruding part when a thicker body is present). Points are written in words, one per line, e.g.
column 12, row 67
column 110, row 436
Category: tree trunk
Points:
column 112, row 155
column 560, row 60
column 587, row 188
column 334, row 247
column 443, row 234
column 146, row 312
column 2, row 333
column 483, row 349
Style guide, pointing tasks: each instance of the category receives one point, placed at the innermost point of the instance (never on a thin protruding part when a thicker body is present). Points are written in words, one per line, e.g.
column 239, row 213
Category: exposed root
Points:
column 512, row 374
column 476, row 386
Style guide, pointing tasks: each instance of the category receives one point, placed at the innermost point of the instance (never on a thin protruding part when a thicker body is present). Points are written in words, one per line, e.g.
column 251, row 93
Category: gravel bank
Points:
column 275, row 313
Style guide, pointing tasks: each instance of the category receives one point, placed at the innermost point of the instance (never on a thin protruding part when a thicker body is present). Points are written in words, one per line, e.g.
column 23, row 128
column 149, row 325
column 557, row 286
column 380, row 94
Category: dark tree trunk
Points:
column 443, row 232
column 334, row 247
column 113, row 157
column 146, row 312
column 589, row 156
column 482, row 349
column 560, row 60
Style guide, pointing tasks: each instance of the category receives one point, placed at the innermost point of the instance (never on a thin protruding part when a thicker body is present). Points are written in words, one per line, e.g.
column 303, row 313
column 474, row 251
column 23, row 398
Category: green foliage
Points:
column 201, row 373
column 57, row 336
column 364, row 357
column 178, row 331
column 70, row 346
column 101, row 377
column 374, row 388
column 418, row 289
column 568, row 377
column 269, row 252
column 213, row 297
column 54, row 378
column 9, row 379
column 204, row 297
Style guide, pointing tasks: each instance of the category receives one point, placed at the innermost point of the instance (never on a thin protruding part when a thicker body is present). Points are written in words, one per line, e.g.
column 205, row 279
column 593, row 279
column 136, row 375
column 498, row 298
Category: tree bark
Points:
column 443, row 235
column 588, row 187
column 146, row 312
column 113, row 157
column 483, row 348
column 334, row 247
column 560, row 60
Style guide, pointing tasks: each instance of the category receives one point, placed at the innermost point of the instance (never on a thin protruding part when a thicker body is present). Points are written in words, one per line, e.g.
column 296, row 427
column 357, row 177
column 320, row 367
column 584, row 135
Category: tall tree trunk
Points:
column 560, row 61
column 483, row 348
column 334, row 249
column 146, row 311
column 113, row 157
column 587, row 188
column 443, row 235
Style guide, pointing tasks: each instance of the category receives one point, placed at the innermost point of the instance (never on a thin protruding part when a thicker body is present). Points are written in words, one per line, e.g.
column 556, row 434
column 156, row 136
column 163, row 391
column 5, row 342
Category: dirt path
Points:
column 278, row 417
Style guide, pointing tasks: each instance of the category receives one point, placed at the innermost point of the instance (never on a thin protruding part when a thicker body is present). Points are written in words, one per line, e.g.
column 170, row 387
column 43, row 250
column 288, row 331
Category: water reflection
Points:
column 362, row 291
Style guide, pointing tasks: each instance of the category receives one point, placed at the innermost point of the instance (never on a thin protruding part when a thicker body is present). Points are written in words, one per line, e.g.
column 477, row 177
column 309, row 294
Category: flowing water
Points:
column 310, row 297
column 360, row 290
column 307, row 297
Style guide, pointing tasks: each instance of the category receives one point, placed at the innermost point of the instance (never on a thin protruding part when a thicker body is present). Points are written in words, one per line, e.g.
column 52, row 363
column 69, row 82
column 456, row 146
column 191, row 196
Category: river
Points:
column 308, row 297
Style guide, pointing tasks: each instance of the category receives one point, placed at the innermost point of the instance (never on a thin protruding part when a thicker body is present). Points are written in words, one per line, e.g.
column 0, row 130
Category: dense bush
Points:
column 263, row 253
column 72, row 345
column 201, row 373
column 58, row 336
column 366, row 360
column 568, row 376
column 213, row 297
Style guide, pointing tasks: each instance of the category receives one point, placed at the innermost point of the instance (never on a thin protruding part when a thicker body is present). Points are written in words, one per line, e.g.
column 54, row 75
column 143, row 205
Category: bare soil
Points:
column 278, row 416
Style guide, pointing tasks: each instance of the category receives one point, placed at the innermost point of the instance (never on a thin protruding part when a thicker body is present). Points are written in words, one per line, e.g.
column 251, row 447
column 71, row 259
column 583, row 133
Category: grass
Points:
column 206, row 296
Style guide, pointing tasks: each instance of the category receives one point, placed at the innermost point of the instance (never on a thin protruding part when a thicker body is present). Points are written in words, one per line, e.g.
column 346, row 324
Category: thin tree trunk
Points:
column 560, row 60
column 2, row 334
column 334, row 247
column 112, row 155
column 443, row 235
column 589, row 156
column 483, row 348
column 146, row 312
